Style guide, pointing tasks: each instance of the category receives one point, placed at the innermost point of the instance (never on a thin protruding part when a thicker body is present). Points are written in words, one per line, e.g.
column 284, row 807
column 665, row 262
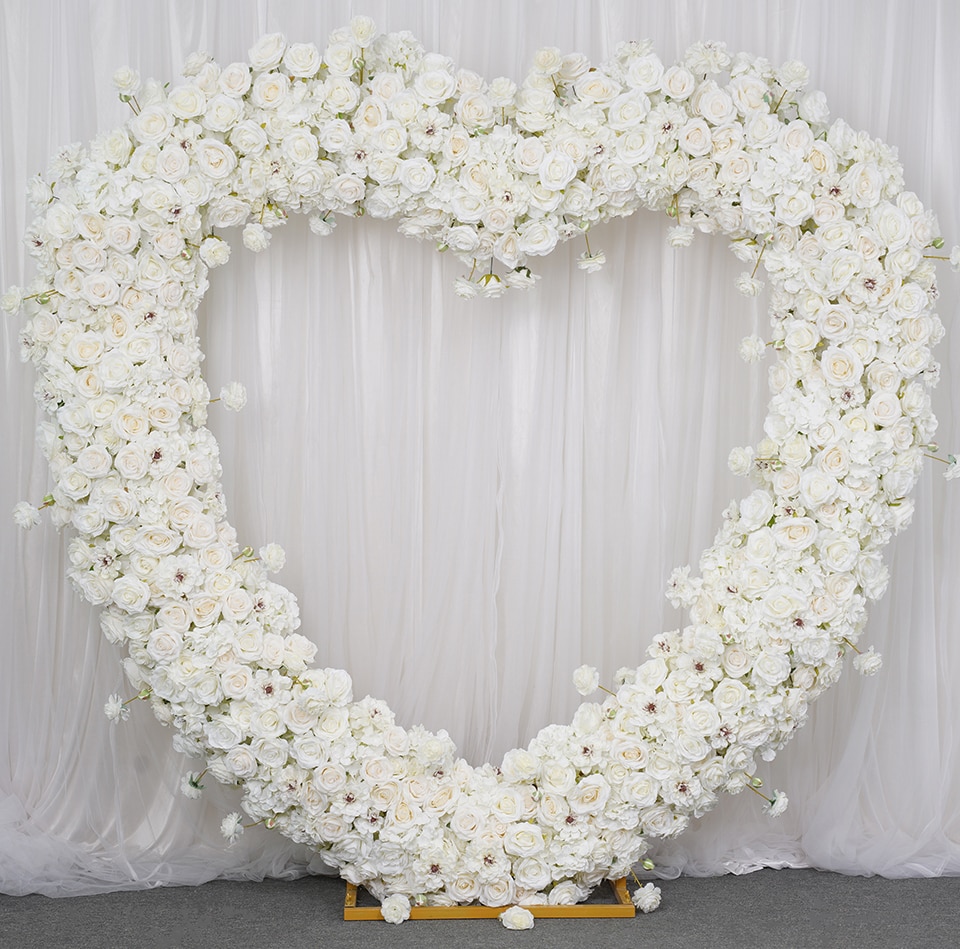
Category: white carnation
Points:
column 591, row 263
column 778, row 804
column 115, row 710
column 868, row 663
column 586, row 679
column 190, row 785
column 26, row 515
column 234, row 396
column 647, row 898
column 256, row 237
column 232, row 827
column 748, row 285
column 752, row 348
column 680, row 235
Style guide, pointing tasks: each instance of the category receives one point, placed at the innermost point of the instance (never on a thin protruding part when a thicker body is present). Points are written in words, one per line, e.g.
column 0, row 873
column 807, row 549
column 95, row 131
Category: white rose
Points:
column 347, row 189
column 215, row 159
column 234, row 80
column 813, row 108
column 131, row 594
column 755, row 510
column 678, row 82
column 363, row 29
column 646, row 898
column 302, row 60
column 729, row 696
column 736, row 661
column 474, row 111
column 595, row 88
column 523, row 840
column 701, row 719
column 187, row 101
column 841, row 367
column 864, row 181
column 99, row 289
column 801, row 336
column 131, row 462
column 884, row 408
column 517, row 918
column 223, row 113
column 126, row 81
column 794, row 209
column 771, row 668
column 248, row 139
column 557, row 776
column 714, row 103
column 590, row 795
column 434, row 86
column 121, row 234
column 817, row 488
column 694, row 137
column 267, row 51
column 269, row 90
column 556, row 170
column 519, row 766
column 164, row 645
column 235, row 681
column 152, row 125
column 241, row 761
column 156, row 541
column 417, row 174
column 795, row 533
column 84, row 349
column 838, row 552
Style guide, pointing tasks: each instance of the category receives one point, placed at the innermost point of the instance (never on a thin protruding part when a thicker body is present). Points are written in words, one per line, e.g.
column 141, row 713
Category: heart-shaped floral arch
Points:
column 125, row 234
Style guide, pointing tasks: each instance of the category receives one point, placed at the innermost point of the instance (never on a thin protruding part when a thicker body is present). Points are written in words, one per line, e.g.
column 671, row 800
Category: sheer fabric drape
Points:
column 475, row 497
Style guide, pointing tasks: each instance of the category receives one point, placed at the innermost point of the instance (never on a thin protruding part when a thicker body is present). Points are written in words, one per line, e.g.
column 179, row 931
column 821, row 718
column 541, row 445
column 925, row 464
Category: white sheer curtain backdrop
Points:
column 475, row 497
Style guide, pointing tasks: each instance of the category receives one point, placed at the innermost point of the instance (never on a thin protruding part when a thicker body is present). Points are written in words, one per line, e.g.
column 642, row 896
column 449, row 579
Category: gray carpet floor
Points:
column 771, row 909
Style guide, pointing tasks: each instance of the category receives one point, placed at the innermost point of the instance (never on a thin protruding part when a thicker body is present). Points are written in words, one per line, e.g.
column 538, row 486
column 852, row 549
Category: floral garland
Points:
column 125, row 234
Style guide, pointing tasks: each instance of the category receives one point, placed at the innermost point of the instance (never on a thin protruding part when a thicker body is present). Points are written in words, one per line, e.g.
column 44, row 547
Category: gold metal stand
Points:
column 622, row 907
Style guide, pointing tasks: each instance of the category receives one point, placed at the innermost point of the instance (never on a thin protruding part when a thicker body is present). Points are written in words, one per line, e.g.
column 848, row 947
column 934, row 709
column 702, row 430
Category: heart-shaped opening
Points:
column 485, row 493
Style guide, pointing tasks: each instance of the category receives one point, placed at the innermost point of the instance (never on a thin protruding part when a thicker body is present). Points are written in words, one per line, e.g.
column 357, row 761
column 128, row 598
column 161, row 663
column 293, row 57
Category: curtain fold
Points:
column 477, row 496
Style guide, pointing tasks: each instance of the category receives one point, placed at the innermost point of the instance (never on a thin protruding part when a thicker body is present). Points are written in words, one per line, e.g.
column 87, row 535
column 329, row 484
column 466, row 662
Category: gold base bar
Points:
column 622, row 908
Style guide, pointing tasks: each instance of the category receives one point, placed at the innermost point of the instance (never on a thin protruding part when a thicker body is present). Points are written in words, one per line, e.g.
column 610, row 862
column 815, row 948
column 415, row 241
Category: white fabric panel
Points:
column 475, row 497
